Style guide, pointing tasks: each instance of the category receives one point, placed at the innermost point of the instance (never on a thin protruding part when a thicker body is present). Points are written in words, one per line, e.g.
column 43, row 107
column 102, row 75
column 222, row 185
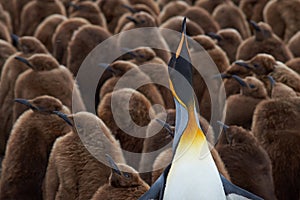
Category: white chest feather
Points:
column 193, row 178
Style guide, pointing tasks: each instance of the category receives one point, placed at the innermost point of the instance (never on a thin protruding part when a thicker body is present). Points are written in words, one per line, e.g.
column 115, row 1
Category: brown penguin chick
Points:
column 46, row 77
column 129, row 75
column 221, row 61
column 77, row 165
column 89, row 11
column 29, row 145
column 156, row 69
column 229, row 40
column 84, row 40
column 62, row 36
column 210, row 5
column 282, row 17
column 4, row 34
column 141, row 56
column 253, row 9
column 5, row 18
column 230, row 84
column 133, row 9
column 10, row 72
column 263, row 41
column 230, row 16
column 294, row 64
column 264, row 64
column 240, row 107
column 6, row 50
column 165, row 157
column 124, row 183
column 142, row 20
column 276, row 126
column 127, row 113
column 246, row 161
column 142, row 7
column 277, row 89
column 172, row 9
column 207, row 22
column 280, row 90
column 112, row 11
column 286, row 75
column 36, row 11
column 215, row 52
column 151, row 4
column 44, row 32
column 294, row 43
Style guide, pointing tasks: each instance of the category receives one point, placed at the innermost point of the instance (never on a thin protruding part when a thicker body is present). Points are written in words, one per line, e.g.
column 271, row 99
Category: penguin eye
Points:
column 127, row 175
column 251, row 86
column 141, row 56
column 256, row 65
column 78, row 126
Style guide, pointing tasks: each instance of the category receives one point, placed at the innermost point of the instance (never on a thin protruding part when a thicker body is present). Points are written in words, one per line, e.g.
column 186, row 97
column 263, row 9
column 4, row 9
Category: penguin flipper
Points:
column 156, row 192
column 234, row 192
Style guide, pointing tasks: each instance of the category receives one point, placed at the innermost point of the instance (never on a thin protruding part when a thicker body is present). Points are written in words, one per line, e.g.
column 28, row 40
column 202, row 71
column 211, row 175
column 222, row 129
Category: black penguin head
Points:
column 181, row 71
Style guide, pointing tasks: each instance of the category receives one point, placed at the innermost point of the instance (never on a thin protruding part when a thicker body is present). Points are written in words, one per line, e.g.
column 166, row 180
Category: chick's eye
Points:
column 126, row 175
column 255, row 65
column 251, row 86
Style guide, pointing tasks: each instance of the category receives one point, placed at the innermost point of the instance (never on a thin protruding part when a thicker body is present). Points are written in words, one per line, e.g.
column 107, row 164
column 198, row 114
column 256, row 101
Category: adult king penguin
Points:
column 192, row 173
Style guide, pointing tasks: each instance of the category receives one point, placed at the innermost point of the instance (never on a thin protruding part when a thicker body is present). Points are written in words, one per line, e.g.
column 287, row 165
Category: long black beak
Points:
column 225, row 127
column 63, row 116
column 132, row 53
column 23, row 60
column 271, row 80
column 130, row 18
column 131, row 9
column 166, row 126
column 214, row 36
column 129, row 51
column 113, row 165
column 240, row 81
column 26, row 103
column 107, row 67
column 242, row 64
column 15, row 40
column 221, row 75
column 103, row 65
column 255, row 26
